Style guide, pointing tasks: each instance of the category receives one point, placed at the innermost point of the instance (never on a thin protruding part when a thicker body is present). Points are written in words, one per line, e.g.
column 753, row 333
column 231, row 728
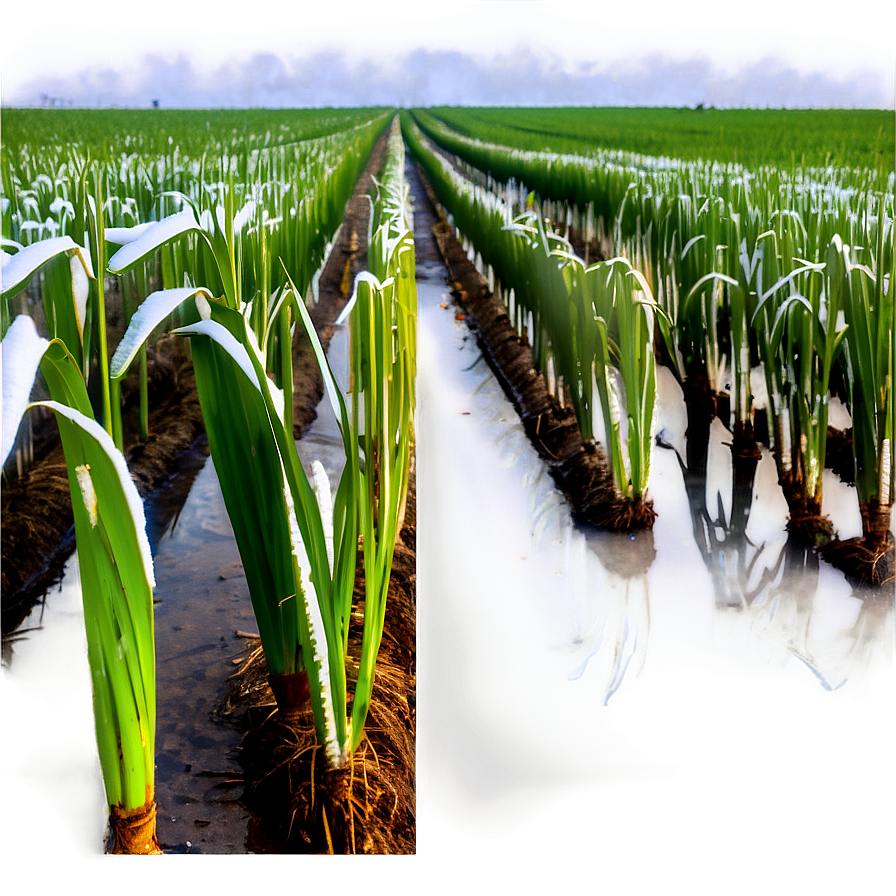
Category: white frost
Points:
column 88, row 492
column 20, row 356
column 226, row 340
column 317, row 633
column 18, row 269
column 121, row 236
column 150, row 239
column 149, row 315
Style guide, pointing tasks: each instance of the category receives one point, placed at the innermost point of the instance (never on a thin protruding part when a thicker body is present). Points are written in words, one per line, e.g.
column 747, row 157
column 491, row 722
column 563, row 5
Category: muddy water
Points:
column 202, row 603
column 713, row 712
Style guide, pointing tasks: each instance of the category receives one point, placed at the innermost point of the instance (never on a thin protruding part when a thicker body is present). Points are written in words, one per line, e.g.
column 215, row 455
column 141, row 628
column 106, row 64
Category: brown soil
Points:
column 839, row 454
column 588, row 250
column 369, row 806
column 579, row 468
column 806, row 524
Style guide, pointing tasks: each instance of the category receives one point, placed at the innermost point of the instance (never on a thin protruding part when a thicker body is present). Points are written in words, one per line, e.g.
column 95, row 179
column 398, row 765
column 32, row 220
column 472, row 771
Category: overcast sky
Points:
column 288, row 53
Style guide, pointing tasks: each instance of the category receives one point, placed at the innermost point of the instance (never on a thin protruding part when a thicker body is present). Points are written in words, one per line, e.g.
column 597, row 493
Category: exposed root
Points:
column 861, row 564
column 810, row 527
column 806, row 525
column 369, row 806
column 628, row 515
column 868, row 560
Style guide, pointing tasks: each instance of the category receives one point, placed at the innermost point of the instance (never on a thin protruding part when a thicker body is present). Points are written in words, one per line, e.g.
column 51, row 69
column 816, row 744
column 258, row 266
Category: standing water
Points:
column 719, row 716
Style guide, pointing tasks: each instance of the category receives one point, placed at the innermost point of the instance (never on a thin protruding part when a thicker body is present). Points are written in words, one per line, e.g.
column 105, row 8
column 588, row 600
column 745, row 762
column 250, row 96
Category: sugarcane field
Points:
column 616, row 324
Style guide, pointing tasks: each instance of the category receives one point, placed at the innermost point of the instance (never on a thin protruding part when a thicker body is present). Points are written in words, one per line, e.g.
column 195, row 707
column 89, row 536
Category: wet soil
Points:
column 578, row 467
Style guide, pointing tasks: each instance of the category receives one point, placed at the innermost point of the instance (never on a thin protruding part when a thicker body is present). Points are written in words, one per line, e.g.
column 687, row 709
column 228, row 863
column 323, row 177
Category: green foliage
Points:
column 383, row 334
column 716, row 242
column 842, row 138
column 586, row 324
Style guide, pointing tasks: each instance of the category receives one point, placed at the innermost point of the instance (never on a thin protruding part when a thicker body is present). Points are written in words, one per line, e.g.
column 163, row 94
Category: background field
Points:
column 785, row 137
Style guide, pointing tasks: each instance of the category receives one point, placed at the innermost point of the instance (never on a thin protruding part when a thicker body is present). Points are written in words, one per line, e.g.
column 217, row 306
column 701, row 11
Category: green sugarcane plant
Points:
column 588, row 325
column 116, row 573
column 801, row 345
column 868, row 299
column 618, row 324
column 383, row 365
column 298, row 544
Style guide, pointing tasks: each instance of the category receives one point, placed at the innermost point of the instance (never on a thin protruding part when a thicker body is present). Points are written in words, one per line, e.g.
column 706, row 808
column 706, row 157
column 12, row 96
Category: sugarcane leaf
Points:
column 117, row 581
column 161, row 232
column 63, row 377
column 18, row 269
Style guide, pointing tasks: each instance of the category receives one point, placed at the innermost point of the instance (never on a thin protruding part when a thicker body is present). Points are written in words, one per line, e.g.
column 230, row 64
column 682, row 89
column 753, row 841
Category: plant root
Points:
column 861, row 564
column 806, row 525
column 369, row 805
column 868, row 560
column 628, row 515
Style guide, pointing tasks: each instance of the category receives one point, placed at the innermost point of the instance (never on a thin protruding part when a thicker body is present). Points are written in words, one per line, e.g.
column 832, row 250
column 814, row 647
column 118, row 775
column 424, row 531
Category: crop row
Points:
column 235, row 260
column 756, row 279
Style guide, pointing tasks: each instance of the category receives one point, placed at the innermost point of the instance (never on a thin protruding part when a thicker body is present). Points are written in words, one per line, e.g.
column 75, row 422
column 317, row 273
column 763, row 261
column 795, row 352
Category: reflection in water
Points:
column 785, row 595
column 866, row 644
column 615, row 646
column 787, row 612
column 728, row 553
column 592, row 585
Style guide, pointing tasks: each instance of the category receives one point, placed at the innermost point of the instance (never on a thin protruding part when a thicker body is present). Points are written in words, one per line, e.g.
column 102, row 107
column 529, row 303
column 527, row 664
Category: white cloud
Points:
column 526, row 71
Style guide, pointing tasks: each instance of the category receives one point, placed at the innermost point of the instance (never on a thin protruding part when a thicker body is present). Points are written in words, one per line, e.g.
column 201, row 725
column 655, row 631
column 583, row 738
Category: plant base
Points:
column 871, row 559
column 291, row 691
column 133, row 831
